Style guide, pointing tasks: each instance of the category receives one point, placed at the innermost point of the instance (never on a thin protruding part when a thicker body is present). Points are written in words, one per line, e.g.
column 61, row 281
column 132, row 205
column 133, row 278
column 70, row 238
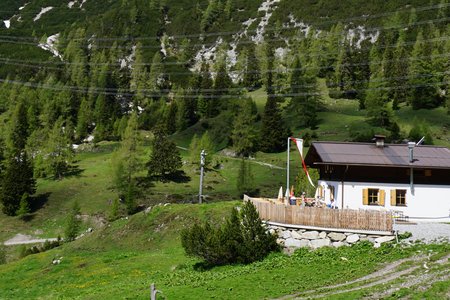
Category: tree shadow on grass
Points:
column 73, row 171
column 38, row 201
column 177, row 177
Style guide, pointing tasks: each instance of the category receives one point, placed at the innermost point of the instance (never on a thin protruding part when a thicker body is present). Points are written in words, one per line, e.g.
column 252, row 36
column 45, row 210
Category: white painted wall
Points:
column 429, row 203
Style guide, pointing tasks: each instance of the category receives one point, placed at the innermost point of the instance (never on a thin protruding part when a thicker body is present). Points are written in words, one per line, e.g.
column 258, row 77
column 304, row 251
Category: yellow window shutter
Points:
column 393, row 200
column 382, row 197
column 320, row 191
column 365, row 196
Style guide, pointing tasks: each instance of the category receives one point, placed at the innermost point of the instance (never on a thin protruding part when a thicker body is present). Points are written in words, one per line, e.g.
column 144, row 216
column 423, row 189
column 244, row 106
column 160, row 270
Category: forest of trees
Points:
column 110, row 89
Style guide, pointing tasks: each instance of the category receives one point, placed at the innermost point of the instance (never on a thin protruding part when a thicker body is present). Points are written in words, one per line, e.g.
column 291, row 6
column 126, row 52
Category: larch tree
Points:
column 127, row 163
column 244, row 134
column 165, row 159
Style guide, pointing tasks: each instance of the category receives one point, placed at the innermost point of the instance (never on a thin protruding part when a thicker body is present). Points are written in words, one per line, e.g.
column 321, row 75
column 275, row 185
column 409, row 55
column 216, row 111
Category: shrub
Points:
column 242, row 238
column 2, row 255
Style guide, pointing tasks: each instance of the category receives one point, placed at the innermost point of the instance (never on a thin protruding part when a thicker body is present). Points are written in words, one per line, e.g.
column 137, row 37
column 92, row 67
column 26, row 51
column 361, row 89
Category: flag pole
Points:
column 287, row 167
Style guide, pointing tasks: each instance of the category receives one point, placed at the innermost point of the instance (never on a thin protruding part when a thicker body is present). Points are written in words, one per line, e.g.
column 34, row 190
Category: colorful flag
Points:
column 299, row 143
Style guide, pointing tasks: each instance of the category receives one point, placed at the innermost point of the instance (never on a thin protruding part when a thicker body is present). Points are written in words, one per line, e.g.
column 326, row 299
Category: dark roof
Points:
column 391, row 155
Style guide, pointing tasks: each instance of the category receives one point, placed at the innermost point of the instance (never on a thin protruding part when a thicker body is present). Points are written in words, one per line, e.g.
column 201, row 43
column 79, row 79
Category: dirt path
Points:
column 23, row 239
column 419, row 273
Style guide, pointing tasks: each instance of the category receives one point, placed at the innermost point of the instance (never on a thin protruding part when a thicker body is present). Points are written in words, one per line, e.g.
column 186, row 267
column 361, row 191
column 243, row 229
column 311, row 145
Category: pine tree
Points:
column 423, row 86
column 305, row 100
column 139, row 76
column 244, row 134
column 165, row 158
column 127, row 163
column 194, row 150
column 156, row 77
column 24, row 206
column 245, row 180
column 170, row 117
column 207, row 144
column 376, row 102
column 274, row 133
column 399, row 72
column 252, row 75
column 17, row 180
column 58, row 150
column 18, row 174
column 73, row 223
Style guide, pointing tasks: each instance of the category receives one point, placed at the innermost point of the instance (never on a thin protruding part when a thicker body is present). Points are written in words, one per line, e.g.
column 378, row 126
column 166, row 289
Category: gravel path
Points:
column 21, row 239
column 425, row 231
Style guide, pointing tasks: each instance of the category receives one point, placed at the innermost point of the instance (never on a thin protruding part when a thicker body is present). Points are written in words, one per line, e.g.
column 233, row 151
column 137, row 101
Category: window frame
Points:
column 400, row 197
column 373, row 194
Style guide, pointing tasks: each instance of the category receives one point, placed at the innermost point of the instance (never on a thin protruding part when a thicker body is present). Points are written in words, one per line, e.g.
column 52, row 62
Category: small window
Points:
column 400, row 197
column 373, row 196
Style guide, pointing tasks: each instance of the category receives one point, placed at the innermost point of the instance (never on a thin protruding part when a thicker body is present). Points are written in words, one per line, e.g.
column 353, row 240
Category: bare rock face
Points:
column 351, row 239
column 336, row 236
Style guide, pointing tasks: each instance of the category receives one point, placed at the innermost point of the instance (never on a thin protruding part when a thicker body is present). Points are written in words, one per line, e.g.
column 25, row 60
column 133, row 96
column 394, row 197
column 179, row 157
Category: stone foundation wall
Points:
column 291, row 238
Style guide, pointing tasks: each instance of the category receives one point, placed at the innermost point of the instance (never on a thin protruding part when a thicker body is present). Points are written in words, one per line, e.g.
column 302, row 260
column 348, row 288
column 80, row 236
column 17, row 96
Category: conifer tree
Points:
column 273, row 132
column 18, row 174
column 399, row 72
column 376, row 102
column 244, row 134
column 156, row 77
column 252, row 75
column 194, row 151
column 207, row 144
column 139, row 76
column 73, row 223
column 423, row 86
column 58, row 150
column 127, row 163
column 245, row 180
column 305, row 100
column 165, row 158
column 17, row 180
column 171, row 117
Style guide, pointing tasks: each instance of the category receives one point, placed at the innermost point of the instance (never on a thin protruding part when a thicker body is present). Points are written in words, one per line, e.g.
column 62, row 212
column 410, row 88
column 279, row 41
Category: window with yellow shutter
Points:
column 373, row 196
column 400, row 197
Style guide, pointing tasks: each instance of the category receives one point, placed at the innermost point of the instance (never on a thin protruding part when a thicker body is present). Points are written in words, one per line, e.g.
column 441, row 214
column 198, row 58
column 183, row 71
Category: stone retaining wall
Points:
column 291, row 238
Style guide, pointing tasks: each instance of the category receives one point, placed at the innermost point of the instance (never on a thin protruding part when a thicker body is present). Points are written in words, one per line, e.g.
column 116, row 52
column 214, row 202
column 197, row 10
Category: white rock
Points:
column 290, row 242
column 148, row 209
column 337, row 244
column 352, row 238
column 286, row 234
column 272, row 231
column 336, row 236
column 322, row 235
column 377, row 245
column 305, row 243
column 310, row 235
column 89, row 229
column 296, row 235
column 320, row 243
column 280, row 242
column 384, row 239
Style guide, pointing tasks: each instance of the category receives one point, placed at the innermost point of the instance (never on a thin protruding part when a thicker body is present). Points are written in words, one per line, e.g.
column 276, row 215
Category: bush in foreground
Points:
column 242, row 238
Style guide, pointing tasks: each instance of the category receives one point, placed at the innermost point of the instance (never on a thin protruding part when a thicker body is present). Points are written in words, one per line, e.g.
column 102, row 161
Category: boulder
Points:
column 322, row 235
column 272, row 231
column 377, row 245
column 351, row 239
column 290, row 242
column 384, row 239
column 280, row 242
column 336, row 236
column 305, row 243
column 310, row 235
column 296, row 235
column 320, row 243
column 338, row 244
column 286, row 234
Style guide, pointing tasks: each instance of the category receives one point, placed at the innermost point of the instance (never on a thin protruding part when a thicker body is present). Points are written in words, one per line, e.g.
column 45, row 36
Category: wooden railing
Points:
column 369, row 220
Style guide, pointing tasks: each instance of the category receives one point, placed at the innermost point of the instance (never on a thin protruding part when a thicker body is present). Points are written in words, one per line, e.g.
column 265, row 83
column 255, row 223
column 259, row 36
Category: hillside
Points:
column 108, row 103
column 124, row 258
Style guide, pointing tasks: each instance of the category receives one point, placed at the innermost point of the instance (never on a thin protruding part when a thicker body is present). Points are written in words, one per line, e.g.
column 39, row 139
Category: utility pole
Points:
column 202, row 168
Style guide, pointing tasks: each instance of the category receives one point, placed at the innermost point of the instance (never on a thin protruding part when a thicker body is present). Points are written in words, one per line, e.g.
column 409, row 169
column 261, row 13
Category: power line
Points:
column 317, row 24
column 114, row 92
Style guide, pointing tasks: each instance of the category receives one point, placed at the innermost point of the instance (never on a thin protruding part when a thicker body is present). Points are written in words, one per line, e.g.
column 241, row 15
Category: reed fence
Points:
column 370, row 220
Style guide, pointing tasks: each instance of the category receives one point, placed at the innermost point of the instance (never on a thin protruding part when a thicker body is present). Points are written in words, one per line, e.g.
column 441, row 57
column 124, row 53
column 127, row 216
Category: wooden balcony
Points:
column 370, row 221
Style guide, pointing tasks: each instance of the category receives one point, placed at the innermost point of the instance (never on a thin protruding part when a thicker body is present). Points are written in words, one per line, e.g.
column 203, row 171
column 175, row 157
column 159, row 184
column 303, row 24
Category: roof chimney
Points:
column 379, row 140
column 411, row 146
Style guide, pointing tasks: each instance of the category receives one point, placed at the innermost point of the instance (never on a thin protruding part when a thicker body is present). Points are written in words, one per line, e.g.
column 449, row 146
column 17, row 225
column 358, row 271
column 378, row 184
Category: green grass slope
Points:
column 124, row 258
